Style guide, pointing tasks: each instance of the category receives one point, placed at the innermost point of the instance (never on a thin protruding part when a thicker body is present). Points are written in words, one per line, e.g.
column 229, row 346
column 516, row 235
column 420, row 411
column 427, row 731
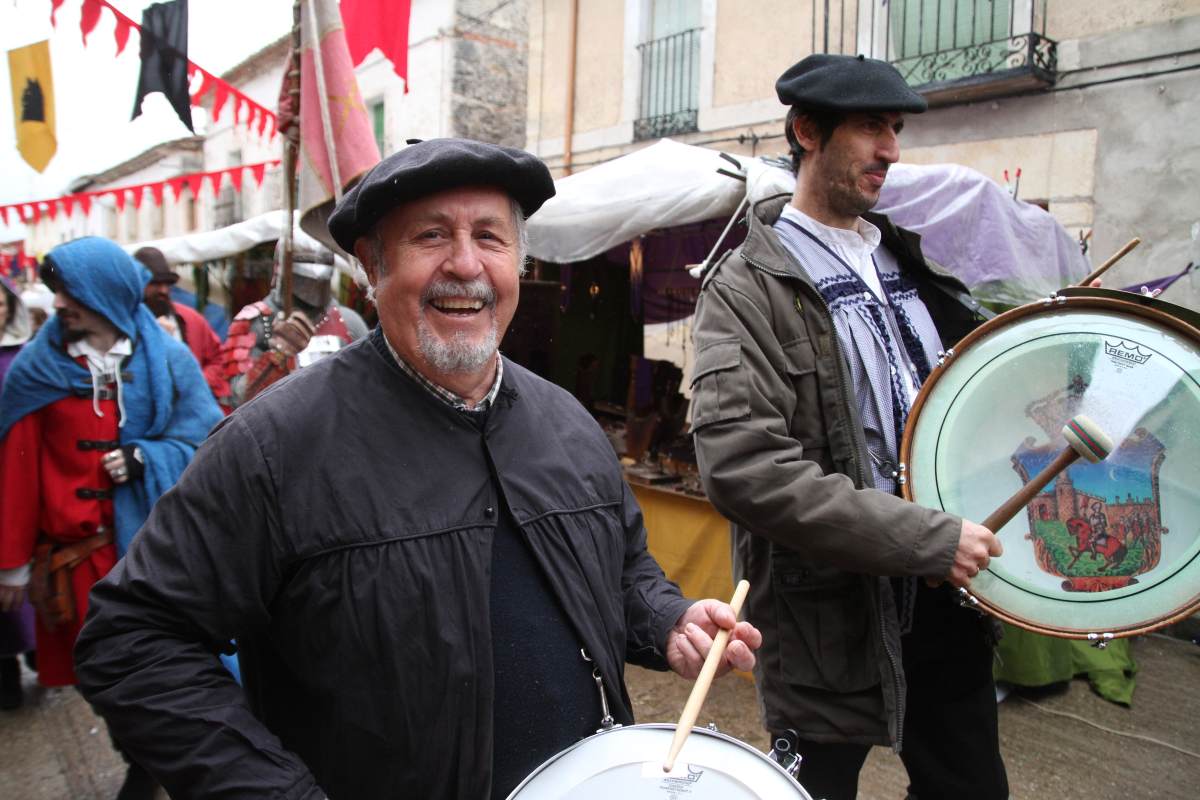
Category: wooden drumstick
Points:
column 1117, row 256
column 704, row 680
column 1085, row 438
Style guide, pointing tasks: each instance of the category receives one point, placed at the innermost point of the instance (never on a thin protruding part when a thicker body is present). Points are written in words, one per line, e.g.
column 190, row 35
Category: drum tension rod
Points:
column 1100, row 640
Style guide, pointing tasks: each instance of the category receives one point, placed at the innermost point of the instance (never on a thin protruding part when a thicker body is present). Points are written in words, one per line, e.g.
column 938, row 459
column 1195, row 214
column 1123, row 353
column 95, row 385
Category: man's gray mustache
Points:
column 472, row 290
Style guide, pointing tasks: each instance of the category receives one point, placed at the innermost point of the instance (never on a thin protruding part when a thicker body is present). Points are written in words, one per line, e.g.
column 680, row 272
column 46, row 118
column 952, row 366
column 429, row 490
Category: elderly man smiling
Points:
column 422, row 549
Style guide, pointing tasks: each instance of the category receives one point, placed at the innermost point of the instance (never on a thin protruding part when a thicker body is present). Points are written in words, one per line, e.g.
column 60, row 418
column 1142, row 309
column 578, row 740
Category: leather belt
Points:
column 94, row 494
column 97, row 444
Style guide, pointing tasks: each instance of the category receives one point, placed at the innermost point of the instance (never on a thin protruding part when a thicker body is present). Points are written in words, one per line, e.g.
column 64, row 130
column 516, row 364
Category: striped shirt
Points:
column 445, row 395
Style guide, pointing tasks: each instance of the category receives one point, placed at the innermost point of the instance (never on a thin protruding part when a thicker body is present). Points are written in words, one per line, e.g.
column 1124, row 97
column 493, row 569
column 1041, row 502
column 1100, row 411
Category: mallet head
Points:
column 1087, row 439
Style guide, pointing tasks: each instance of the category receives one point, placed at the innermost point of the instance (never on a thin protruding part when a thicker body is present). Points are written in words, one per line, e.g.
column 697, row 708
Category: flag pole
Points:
column 291, row 150
column 323, row 103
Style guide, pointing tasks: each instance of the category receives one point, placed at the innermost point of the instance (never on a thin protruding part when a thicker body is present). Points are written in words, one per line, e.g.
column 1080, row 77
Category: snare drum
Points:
column 1108, row 549
column 626, row 764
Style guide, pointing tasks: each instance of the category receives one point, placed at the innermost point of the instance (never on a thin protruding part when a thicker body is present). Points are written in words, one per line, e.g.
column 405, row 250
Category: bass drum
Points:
column 626, row 764
column 1108, row 549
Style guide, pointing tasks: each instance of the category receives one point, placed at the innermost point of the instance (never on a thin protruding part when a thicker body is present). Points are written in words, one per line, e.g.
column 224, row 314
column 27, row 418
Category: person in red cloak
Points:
column 99, row 414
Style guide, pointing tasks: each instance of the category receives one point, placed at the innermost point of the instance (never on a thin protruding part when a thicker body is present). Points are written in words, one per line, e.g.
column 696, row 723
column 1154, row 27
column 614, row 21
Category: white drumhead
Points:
column 626, row 764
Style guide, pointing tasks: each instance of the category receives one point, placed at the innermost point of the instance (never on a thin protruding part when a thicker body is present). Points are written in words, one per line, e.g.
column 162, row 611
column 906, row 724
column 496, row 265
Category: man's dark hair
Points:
column 826, row 120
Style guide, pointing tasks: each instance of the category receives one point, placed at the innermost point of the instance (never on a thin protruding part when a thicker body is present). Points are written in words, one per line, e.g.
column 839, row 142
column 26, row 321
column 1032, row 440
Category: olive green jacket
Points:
column 783, row 456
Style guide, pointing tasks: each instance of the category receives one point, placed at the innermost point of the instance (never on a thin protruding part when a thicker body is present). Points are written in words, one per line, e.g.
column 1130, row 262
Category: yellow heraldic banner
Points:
column 33, row 103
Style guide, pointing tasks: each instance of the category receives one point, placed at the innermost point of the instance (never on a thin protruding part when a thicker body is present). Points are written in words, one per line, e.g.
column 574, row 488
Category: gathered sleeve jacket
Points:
column 339, row 527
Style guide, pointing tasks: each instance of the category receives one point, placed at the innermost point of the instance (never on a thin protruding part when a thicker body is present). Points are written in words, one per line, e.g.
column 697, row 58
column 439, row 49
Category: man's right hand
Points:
column 977, row 546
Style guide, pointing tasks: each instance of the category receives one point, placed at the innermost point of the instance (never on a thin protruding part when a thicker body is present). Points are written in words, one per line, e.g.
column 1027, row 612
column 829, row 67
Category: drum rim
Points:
column 658, row 725
column 1055, row 303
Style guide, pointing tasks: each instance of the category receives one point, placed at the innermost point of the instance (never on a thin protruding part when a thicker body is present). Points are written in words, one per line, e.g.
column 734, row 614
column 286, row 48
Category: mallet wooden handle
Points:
column 1000, row 517
column 695, row 700
column 1117, row 256
column 1085, row 439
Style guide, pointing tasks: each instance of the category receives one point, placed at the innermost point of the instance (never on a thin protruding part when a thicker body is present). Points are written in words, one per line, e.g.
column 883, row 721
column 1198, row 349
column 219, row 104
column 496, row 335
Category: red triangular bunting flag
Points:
column 119, row 197
column 235, row 177
column 4, row 214
column 214, row 180
column 139, row 194
column 89, row 15
column 176, row 185
column 205, row 85
column 121, row 32
column 52, row 210
column 54, row 4
column 85, row 202
column 221, row 96
column 262, row 121
column 193, row 183
column 35, row 213
column 68, row 204
column 258, row 171
column 156, row 189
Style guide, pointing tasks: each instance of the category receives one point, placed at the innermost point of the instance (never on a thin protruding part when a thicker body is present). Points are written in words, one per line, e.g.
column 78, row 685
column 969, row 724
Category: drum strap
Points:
column 979, row 309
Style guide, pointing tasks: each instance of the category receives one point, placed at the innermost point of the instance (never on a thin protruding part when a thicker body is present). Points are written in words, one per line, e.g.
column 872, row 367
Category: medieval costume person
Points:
column 182, row 322
column 262, row 347
column 99, row 415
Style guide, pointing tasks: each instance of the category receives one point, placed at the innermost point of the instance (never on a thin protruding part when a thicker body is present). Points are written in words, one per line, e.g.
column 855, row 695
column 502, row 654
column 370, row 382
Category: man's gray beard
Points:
column 457, row 354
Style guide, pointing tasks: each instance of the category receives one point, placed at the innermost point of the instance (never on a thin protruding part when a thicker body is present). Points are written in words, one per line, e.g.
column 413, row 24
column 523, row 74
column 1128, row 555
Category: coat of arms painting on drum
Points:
column 1106, row 549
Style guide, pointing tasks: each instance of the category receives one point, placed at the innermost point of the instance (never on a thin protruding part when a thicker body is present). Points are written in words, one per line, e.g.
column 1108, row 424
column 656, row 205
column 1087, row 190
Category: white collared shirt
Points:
column 855, row 247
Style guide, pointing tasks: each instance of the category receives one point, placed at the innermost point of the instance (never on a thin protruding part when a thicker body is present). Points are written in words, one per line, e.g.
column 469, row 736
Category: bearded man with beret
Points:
column 812, row 340
column 427, row 554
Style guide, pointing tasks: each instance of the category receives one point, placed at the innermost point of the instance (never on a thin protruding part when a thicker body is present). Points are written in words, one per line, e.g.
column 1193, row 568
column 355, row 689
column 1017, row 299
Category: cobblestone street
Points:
column 55, row 748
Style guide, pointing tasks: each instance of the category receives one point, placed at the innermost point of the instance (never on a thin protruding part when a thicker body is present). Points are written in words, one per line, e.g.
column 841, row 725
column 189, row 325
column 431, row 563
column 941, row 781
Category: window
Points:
column 379, row 125
column 670, row 70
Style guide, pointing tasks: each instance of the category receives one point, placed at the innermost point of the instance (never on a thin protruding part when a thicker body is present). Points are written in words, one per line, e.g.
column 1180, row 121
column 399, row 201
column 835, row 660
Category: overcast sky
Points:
column 94, row 88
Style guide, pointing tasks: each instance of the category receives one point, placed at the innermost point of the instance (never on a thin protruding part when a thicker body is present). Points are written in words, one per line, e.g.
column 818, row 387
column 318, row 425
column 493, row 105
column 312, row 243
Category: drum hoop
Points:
column 1056, row 303
column 658, row 725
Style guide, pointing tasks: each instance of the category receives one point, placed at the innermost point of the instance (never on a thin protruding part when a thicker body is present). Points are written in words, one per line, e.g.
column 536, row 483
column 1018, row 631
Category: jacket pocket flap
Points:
column 716, row 357
column 720, row 386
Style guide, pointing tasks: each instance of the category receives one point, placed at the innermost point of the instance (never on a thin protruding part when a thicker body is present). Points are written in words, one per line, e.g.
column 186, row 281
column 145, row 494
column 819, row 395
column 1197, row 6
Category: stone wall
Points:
column 489, row 80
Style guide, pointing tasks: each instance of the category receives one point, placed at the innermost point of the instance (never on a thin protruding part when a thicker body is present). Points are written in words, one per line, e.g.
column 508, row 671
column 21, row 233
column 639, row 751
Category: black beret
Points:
column 847, row 83
column 432, row 166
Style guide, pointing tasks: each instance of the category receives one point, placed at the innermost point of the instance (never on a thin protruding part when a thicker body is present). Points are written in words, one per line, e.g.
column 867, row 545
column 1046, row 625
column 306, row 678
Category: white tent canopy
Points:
column 1005, row 250
column 196, row 248
column 659, row 186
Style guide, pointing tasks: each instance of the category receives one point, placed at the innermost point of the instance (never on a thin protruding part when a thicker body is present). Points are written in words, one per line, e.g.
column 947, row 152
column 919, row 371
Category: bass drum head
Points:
column 1106, row 548
column 626, row 764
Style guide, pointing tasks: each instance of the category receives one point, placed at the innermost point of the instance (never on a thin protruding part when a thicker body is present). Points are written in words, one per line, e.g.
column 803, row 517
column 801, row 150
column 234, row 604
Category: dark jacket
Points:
column 339, row 527
column 782, row 454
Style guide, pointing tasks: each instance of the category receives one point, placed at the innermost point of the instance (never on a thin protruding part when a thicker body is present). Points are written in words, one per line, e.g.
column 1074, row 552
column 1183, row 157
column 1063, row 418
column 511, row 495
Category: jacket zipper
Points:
column 860, row 481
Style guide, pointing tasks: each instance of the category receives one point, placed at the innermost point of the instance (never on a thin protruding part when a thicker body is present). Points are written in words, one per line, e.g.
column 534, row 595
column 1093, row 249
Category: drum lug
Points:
column 968, row 600
column 944, row 355
column 1054, row 299
column 783, row 752
column 712, row 726
column 1100, row 640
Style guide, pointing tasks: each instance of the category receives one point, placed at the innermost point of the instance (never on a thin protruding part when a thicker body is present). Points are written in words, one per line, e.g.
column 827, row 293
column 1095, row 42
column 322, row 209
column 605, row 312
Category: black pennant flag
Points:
column 164, row 58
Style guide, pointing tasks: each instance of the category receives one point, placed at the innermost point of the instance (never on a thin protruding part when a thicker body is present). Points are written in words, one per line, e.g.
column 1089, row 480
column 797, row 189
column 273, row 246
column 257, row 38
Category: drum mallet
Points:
column 1117, row 256
column 1086, row 440
column 704, row 680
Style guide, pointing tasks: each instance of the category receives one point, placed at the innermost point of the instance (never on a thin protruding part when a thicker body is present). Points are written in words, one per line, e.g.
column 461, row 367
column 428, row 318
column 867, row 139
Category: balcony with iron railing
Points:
column 948, row 50
column 669, row 96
